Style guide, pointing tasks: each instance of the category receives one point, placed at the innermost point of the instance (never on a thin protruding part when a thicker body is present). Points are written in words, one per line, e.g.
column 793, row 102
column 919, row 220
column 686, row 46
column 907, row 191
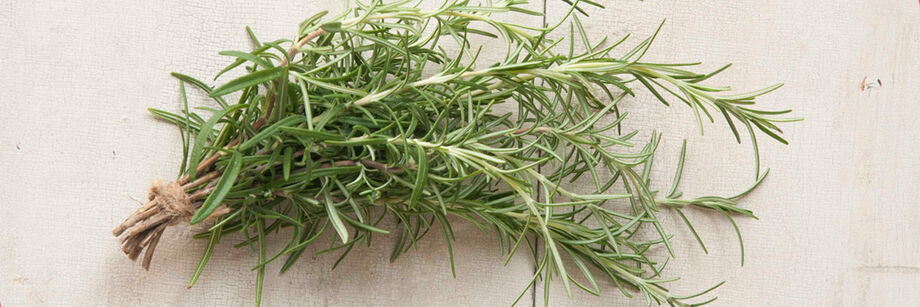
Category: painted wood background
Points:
column 839, row 215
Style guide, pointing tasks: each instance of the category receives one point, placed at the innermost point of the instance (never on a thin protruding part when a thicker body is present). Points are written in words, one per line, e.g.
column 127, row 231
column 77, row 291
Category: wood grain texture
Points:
column 839, row 215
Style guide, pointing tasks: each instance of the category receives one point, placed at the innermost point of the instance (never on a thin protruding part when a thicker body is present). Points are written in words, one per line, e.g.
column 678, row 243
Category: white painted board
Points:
column 839, row 215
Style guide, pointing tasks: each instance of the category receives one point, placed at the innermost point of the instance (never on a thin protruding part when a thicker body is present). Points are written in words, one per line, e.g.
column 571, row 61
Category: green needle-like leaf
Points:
column 212, row 242
column 385, row 123
column 333, row 215
column 421, row 175
column 220, row 190
column 204, row 133
column 252, row 79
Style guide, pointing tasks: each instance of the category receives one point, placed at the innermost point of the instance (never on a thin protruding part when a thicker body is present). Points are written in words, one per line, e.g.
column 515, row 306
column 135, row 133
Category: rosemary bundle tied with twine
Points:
column 387, row 112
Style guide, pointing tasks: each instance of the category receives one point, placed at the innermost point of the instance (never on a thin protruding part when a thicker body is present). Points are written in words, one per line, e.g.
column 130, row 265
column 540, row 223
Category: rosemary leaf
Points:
column 384, row 120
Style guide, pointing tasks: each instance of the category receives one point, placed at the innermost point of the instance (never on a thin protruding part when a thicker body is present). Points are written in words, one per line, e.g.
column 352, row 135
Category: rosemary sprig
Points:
column 366, row 117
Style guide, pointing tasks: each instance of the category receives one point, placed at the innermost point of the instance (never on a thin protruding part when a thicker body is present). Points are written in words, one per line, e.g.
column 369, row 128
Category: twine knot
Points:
column 167, row 205
column 172, row 199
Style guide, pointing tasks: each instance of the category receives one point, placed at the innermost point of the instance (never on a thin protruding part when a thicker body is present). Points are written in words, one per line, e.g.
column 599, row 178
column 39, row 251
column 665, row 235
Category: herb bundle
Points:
column 367, row 117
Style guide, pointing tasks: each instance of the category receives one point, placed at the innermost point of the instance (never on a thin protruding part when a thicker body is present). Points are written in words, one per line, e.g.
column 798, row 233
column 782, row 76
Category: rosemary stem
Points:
column 394, row 120
column 293, row 50
column 207, row 163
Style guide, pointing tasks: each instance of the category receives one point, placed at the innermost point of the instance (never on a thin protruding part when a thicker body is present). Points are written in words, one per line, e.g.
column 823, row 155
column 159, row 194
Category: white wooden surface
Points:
column 839, row 215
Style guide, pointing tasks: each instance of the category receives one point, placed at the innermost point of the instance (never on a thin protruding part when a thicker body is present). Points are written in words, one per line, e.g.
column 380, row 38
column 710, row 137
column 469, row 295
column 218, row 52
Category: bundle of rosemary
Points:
column 365, row 117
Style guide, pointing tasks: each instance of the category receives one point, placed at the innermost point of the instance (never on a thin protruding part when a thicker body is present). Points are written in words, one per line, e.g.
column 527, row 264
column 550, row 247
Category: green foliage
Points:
column 372, row 119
